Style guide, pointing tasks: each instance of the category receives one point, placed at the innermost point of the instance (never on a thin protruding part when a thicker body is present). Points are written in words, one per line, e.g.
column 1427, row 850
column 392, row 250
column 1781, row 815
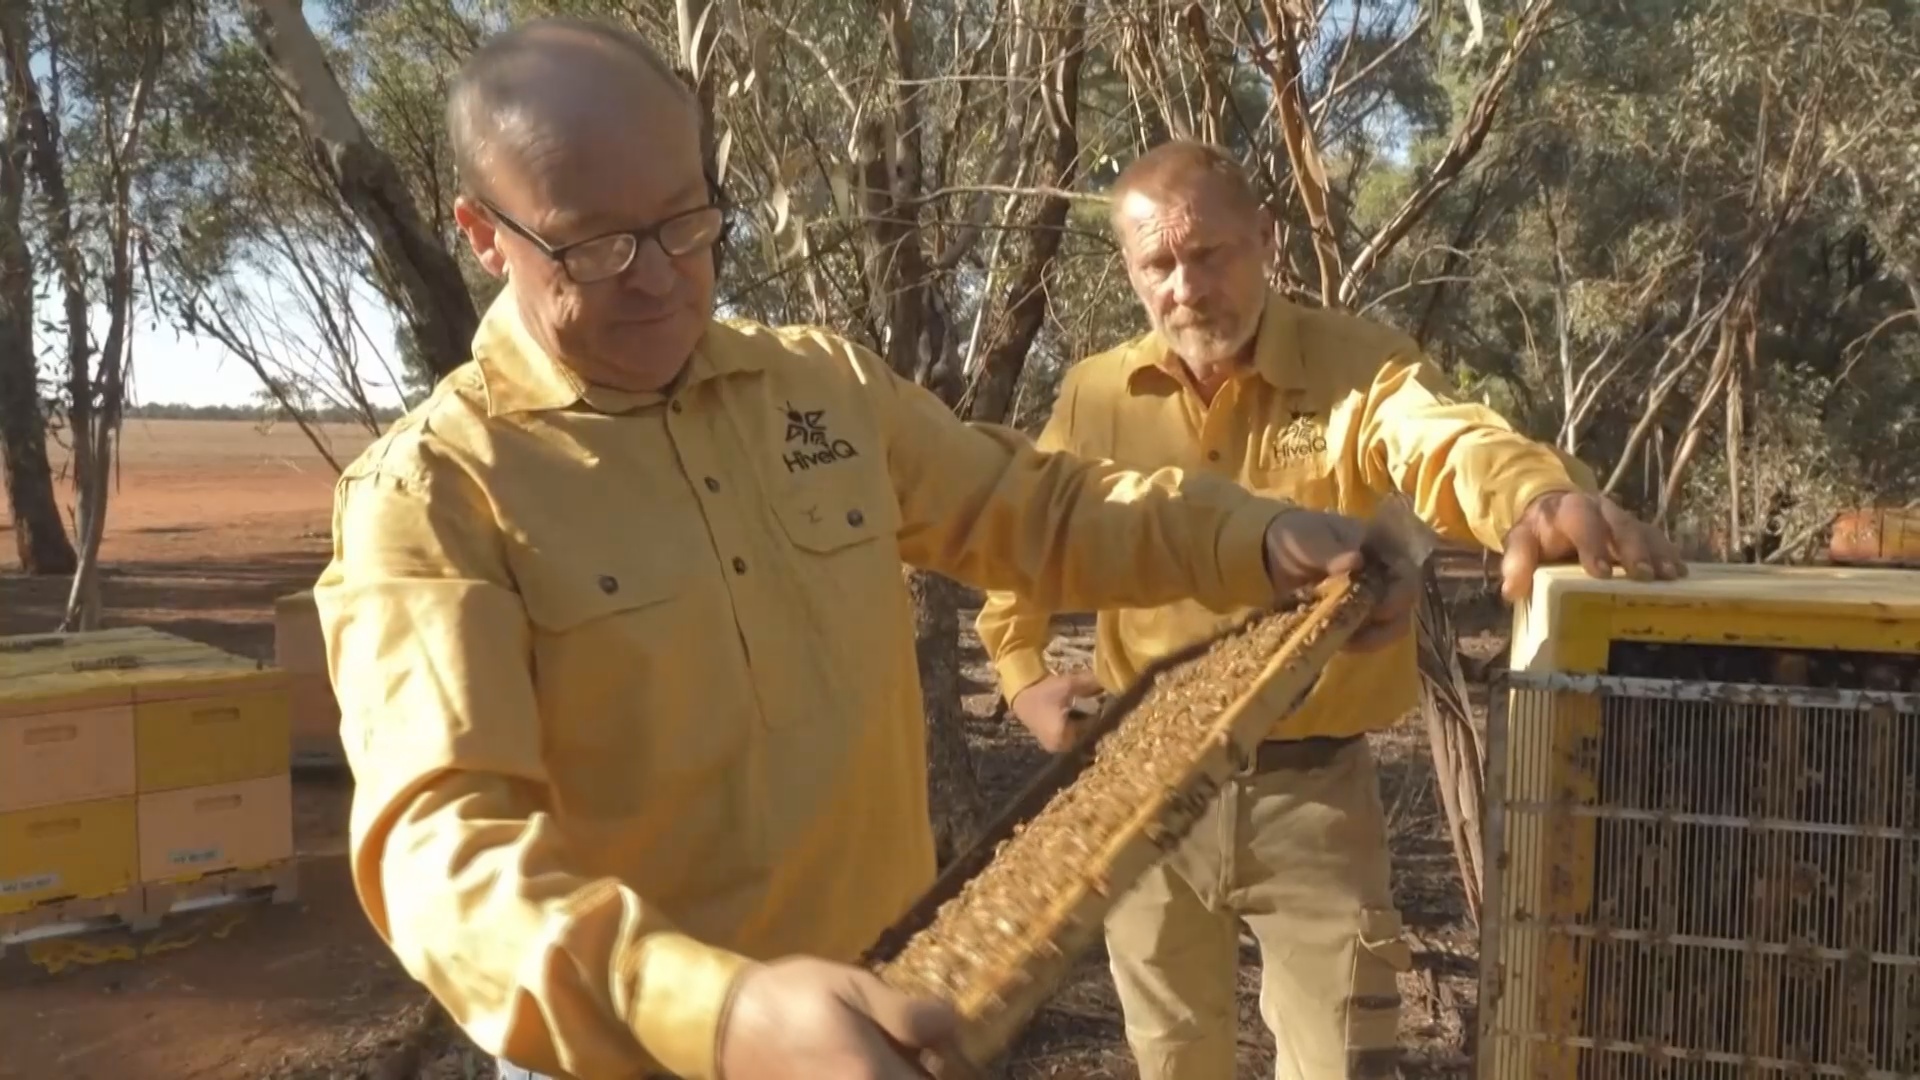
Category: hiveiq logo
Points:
column 808, row 442
column 1301, row 438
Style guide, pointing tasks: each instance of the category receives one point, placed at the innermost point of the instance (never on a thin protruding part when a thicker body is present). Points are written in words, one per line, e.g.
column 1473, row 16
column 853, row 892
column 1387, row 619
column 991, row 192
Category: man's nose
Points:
column 1185, row 285
column 651, row 271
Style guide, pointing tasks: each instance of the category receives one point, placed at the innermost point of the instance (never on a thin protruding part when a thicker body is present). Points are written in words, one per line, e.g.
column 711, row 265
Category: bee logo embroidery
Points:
column 1301, row 439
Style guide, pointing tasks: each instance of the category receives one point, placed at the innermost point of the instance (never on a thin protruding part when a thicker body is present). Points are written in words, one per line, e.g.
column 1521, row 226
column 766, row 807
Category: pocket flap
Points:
column 824, row 521
column 563, row 593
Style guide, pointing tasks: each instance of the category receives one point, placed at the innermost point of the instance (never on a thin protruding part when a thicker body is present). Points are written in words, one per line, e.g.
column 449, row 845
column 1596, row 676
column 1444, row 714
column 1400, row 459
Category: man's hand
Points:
column 806, row 1018
column 1046, row 707
column 1305, row 547
column 1592, row 529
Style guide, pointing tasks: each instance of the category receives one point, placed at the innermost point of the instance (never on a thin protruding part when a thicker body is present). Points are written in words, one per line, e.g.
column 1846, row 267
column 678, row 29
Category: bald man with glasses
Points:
column 617, row 625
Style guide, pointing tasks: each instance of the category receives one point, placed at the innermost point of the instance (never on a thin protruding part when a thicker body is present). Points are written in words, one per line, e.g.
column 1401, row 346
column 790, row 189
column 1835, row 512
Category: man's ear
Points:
column 1269, row 246
column 481, row 235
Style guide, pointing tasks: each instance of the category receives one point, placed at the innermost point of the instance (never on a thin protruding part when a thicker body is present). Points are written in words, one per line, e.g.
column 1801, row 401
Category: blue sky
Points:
column 178, row 369
column 172, row 368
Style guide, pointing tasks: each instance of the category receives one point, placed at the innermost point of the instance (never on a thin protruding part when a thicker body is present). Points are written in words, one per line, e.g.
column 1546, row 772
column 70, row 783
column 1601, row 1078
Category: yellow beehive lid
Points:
column 1867, row 608
column 54, row 672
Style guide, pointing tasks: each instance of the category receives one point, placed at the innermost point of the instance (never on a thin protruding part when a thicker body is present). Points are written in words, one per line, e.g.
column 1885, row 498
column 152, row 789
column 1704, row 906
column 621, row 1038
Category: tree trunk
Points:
column 989, row 397
column 39, row 536
column 94, row 398
column 891, row 177
column 421, row 276
column 83, row 599
column 1285, row 22
column 953, row 791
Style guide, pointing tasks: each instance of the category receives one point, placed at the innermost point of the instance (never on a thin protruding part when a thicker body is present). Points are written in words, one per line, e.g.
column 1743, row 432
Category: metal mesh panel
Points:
column 1702, row 880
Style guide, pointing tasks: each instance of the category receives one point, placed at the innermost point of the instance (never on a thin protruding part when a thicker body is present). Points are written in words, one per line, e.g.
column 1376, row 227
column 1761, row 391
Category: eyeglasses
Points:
column 607, row 255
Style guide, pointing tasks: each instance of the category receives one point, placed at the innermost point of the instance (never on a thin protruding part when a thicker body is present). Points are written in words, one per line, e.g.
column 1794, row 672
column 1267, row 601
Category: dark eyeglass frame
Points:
column 716, row 203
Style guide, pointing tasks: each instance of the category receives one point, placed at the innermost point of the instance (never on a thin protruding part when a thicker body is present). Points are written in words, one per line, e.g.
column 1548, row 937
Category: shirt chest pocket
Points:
column 827, row 518
column 844, row 555
column 616, row 650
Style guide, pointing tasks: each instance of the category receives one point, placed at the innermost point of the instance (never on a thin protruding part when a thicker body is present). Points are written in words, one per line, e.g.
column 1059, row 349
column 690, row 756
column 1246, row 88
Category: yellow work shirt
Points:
column 627, row 681
column 1333, row 413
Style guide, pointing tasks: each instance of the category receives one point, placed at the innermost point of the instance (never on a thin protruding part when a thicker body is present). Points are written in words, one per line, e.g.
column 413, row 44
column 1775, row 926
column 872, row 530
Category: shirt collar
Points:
column 1276, row 350
column 520, row 375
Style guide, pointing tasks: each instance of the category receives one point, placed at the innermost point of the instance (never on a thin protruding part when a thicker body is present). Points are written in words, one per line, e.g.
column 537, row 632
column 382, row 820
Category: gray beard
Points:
column 1205, row 345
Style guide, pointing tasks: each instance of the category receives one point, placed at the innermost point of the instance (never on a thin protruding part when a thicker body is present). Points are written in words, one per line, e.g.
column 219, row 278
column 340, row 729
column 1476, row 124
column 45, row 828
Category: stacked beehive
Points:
column 138, row 770
column 301, row 652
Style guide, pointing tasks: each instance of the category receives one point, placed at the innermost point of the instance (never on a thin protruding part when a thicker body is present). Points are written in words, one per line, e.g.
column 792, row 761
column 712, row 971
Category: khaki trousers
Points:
column 1300, row 856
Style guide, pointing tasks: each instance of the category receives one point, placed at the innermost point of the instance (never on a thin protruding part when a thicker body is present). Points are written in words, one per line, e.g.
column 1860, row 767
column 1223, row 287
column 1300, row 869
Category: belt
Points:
column 1314, row 752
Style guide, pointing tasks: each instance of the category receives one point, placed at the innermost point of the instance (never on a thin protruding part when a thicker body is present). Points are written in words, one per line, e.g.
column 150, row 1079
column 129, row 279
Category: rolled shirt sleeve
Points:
column 1014, row 631
column 1469, row 473
column 982, row 504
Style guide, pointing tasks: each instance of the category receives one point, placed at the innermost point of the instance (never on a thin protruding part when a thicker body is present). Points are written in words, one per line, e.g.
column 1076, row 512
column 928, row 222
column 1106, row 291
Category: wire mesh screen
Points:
column 1702, row 881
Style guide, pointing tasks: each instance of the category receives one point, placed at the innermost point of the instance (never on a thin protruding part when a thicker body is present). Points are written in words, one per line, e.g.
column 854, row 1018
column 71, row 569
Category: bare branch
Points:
column 1461, row 150
column 426, row 282
column 990, row 393
column 1280, row 59
column 1030, row 191
column 1336, row 90
column 819, row 55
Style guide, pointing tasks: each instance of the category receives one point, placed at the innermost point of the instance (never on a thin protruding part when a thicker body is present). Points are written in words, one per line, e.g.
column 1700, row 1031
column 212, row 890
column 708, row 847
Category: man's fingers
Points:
column 1632, row 542
column 1346, row 562
column 1668, row 563
column 887, row 1059
column 1084, row 684
column 1522, row 558
column 1346, row 552
column 1583, row 525
column 909, row 1021
column 1308, row 546
column 949, row 1065
column 1392, row 613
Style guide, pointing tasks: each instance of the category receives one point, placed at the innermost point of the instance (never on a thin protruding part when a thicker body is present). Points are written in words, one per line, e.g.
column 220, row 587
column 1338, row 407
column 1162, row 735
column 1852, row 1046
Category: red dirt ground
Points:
column 213, row 520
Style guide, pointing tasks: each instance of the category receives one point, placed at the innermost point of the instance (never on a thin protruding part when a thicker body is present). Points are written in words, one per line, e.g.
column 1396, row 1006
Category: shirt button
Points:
column 855, row 518
column 1213, row 455
column 739, row 565
column 712, row 484
column 675, row 406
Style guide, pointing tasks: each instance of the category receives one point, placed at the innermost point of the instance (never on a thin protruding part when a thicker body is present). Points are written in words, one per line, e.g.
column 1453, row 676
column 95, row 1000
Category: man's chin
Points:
column 1203, row 347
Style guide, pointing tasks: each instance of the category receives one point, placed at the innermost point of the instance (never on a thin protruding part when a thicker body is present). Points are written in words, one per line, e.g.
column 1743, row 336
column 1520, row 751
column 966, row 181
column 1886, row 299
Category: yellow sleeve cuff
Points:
column 1508, row 505
column 680, row 998
column 1241, row 557
column 1020, row 669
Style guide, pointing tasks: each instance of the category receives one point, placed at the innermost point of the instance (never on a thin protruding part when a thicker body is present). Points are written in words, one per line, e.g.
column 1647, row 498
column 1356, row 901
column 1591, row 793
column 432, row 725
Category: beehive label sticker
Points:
column 194, row 856
column 23, row 885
